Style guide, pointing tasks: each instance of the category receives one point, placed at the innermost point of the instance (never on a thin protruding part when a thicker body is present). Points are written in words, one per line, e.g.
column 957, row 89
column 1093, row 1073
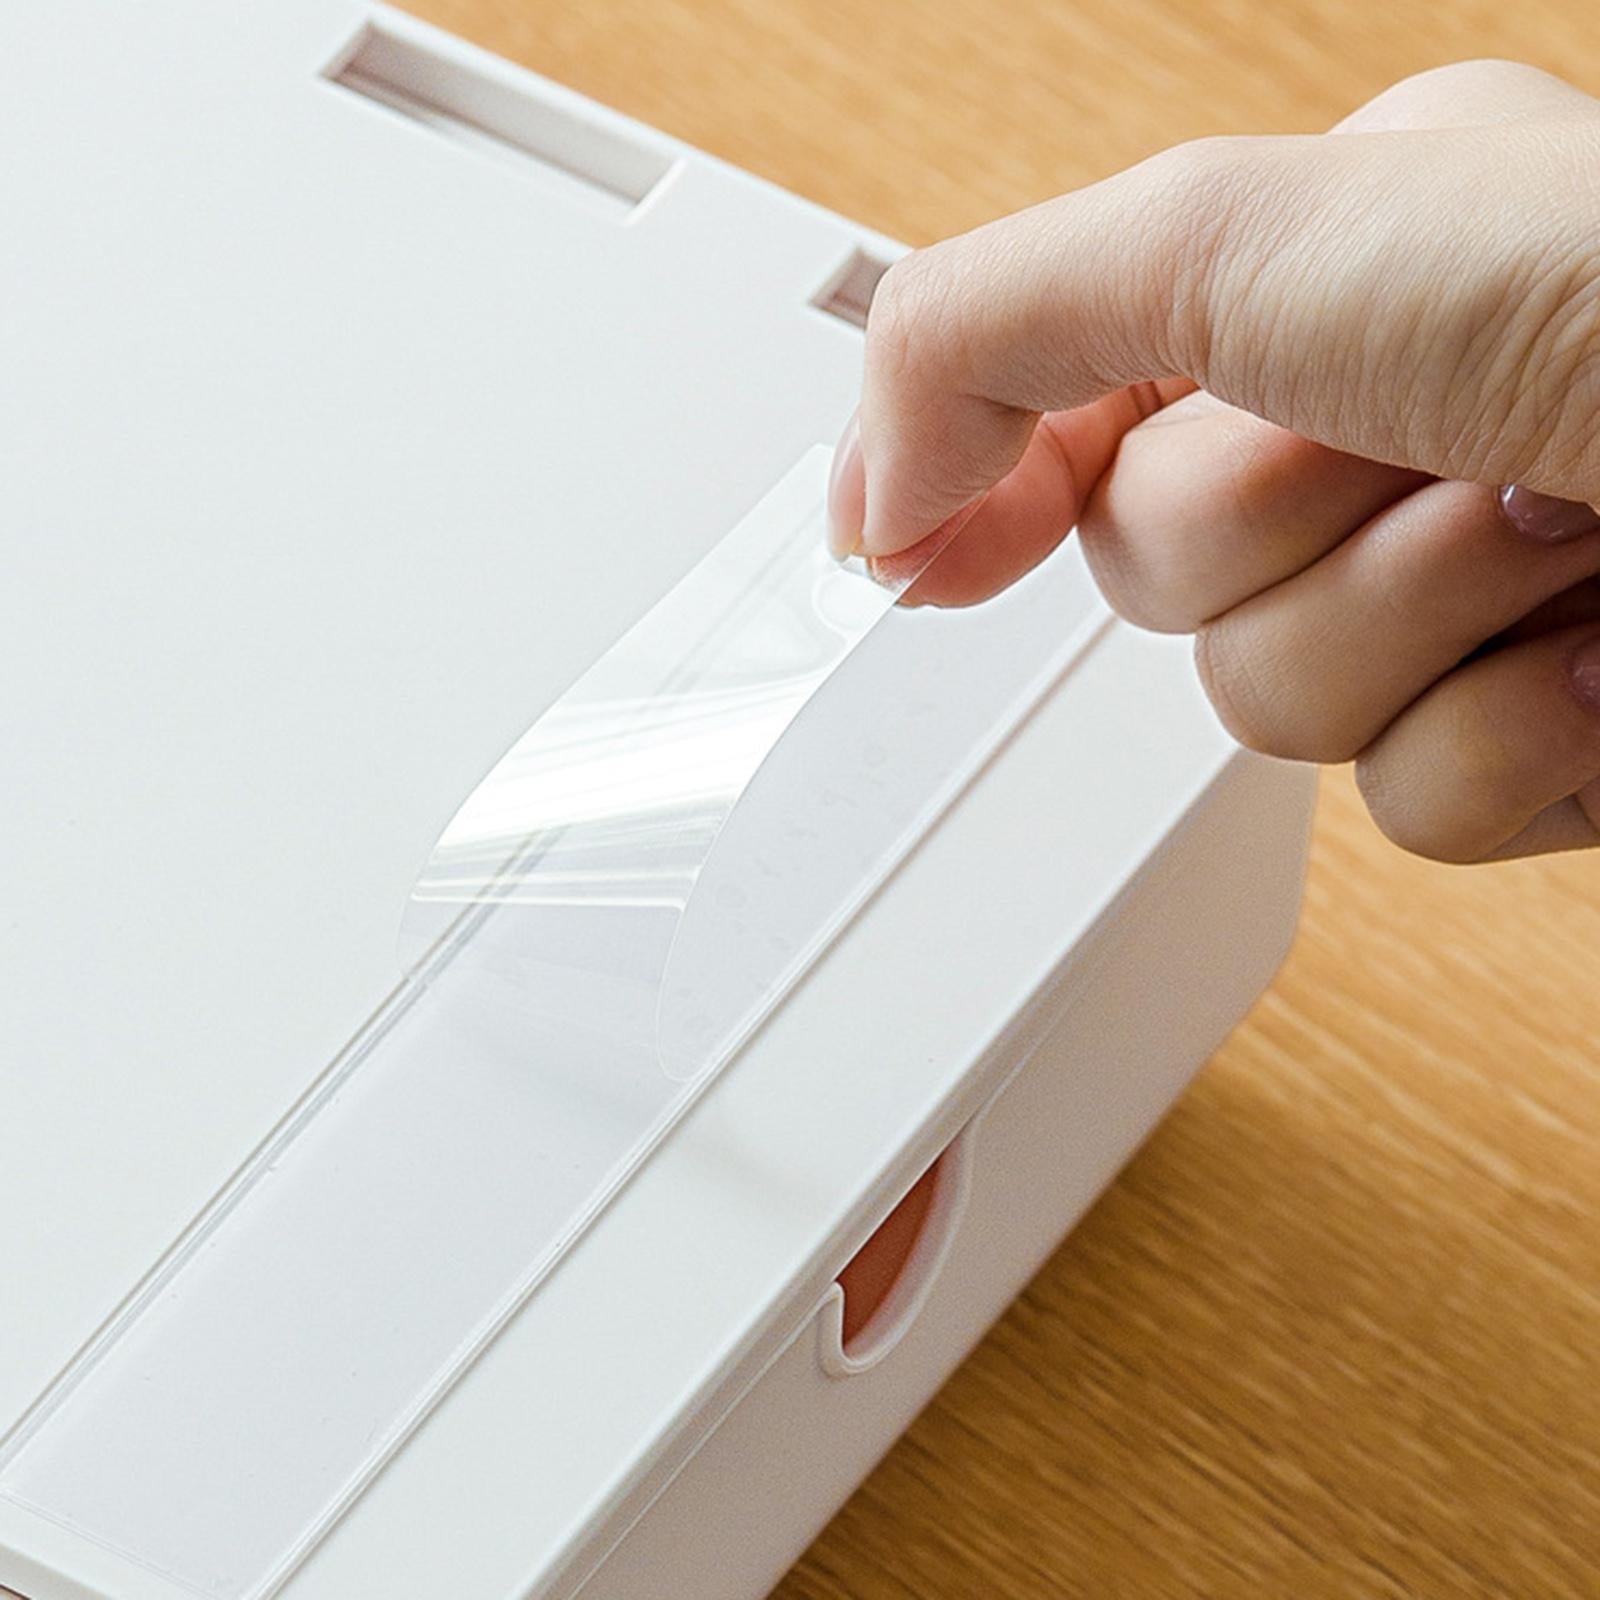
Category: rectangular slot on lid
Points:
column 848, row 294
column 483, row 104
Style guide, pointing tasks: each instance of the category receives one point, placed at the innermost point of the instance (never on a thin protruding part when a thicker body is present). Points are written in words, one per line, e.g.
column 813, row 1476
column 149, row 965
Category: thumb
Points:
column 1429, row 298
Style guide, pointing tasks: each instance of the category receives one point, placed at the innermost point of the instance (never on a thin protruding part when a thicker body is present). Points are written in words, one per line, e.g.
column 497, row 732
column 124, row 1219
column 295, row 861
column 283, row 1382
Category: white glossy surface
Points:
column 278, row 1360
column 336, row 447
column 301, row 532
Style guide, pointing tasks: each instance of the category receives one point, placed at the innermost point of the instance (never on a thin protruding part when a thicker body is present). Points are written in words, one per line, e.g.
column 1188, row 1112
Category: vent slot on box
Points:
column 490, row 106
column 848, row 293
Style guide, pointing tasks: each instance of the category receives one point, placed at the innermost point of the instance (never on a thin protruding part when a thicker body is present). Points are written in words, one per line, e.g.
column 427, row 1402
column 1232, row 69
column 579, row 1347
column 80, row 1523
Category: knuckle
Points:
column 1258, row 492
column 1204, row 166
column 1191, row 189
column 1265, row 467
column 1208, row 183
column 1204, row 201
column 912, row 319
column 1130, row 586
column 1249, row 677
column 1408, row 816
column 894, row 316
column 1458, row 92
column 1439, row 94
column 1249, row 498
column 898, row 291
column 1466, row 80
column 1231, row 688
column 1552, row 388
column 906, row 319
column 1526, row 360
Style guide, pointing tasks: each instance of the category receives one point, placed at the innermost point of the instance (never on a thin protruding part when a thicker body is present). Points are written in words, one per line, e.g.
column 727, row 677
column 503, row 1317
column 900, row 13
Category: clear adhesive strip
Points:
column 589, row 841
column 612, row 913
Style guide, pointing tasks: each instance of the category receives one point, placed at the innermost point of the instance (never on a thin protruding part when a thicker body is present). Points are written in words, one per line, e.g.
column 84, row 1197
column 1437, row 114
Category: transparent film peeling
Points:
column 612, row 912
column 567, row 876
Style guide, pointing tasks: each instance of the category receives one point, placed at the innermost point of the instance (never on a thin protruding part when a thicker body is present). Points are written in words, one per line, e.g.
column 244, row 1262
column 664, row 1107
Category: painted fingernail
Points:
column 1583, row 671
column 1544, row 517
column 847, row 493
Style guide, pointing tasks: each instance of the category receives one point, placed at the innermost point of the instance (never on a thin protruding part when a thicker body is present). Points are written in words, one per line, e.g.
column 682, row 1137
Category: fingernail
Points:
column 1544, row 517
column 847, row 493
column 1583, row 672
column 935, row 543
column 909, row 565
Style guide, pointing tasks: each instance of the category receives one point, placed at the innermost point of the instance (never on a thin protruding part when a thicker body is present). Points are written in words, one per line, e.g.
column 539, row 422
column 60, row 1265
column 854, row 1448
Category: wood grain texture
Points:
column 1336, row 1331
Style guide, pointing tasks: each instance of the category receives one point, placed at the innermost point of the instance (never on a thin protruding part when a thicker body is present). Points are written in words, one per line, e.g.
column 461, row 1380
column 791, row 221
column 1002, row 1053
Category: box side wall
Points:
column 1187, row 952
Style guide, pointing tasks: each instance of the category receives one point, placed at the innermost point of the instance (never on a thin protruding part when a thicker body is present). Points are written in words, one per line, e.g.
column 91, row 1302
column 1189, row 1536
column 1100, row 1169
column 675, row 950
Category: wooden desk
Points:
column 1336, row 1332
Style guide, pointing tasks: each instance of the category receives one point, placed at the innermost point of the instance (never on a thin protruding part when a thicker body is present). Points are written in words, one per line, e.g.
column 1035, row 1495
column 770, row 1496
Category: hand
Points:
column 1276, row 383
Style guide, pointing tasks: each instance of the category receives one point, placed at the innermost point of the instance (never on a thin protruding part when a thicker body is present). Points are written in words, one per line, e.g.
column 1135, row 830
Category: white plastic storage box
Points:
column 430, row 1168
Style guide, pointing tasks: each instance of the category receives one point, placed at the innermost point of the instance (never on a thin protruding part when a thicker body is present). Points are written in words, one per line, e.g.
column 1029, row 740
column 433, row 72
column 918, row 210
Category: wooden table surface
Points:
column 1336, row 1330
